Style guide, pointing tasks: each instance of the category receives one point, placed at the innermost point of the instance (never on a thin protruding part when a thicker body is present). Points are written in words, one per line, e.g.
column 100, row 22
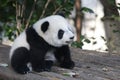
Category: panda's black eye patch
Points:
column 60, row 34
column 45, row 26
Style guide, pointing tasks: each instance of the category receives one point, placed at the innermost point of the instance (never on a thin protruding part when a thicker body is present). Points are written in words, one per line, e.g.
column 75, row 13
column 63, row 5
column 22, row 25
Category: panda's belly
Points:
column 50, row 56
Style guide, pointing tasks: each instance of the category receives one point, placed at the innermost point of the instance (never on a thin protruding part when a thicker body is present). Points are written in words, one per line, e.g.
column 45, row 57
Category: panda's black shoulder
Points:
column 34, row 39
column 30, row 31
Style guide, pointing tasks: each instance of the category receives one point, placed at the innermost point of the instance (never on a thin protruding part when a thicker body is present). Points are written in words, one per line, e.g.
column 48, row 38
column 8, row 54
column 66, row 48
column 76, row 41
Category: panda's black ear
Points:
column 45, row 26
column 61, row 14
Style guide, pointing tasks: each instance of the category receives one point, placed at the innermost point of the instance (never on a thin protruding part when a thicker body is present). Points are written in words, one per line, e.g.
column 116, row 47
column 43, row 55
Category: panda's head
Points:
column 55, row 30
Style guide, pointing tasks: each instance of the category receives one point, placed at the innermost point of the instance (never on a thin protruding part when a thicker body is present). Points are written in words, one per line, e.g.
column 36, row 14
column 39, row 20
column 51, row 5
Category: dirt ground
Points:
column 90, row 65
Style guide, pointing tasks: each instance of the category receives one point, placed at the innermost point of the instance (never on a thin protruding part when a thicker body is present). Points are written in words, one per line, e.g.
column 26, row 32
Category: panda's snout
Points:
column 71, row 39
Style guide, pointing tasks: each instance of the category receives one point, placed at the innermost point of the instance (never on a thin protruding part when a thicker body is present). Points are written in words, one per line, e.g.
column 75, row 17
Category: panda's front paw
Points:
column 41, row 69
column 23, row 70
column 38, row 70
column 48, row 65
column 67, row 64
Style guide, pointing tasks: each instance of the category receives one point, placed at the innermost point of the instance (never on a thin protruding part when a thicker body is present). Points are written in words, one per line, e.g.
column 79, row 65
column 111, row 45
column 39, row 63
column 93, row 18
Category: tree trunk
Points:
column 109, row 8
column 112, row 27
column 78, row 18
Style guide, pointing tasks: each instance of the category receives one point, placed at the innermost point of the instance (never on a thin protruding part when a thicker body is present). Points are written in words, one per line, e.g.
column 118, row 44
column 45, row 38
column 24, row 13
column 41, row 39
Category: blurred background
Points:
column 97, row 22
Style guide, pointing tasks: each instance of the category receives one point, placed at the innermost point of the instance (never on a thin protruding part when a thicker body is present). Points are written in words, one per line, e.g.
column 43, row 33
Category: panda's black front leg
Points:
column 37, row 60
column 48, row 65
column 64, row 57
column 38, row 67
column 43, row 65
column 67, row 64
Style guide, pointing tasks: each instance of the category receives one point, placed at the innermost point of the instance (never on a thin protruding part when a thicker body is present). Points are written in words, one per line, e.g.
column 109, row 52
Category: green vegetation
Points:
column 17, row 15
column 80, row 43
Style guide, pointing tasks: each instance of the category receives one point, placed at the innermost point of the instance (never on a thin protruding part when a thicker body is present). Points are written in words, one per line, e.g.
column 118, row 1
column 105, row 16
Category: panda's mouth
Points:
column 68, row 42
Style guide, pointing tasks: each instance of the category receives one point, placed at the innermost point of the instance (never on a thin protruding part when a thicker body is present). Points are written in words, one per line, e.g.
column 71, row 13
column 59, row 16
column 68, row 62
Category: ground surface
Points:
column 90, row 65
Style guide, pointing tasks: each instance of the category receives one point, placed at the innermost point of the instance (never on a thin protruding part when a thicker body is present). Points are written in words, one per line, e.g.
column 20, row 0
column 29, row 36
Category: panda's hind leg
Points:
column 19, row 60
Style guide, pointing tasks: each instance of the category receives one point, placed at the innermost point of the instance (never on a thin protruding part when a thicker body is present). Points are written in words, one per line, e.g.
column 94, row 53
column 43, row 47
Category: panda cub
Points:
column 40, row 45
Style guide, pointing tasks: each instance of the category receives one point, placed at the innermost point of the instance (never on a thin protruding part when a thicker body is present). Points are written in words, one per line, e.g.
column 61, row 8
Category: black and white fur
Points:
column 47, row 40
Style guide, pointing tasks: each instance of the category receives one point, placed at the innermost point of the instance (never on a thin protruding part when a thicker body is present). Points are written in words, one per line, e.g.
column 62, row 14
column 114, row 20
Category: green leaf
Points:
column 77, row 44
column 85, row 9
column 94, row 42
column 103, row 38
column 3, row 3
column 87, row 41
column 116, row 31
column 59, row 2
column 111, row 2
column 20, row 1
column 82, row 37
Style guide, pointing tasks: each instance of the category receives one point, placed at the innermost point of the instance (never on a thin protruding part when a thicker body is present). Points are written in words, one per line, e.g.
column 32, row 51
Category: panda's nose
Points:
column 72, row 37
